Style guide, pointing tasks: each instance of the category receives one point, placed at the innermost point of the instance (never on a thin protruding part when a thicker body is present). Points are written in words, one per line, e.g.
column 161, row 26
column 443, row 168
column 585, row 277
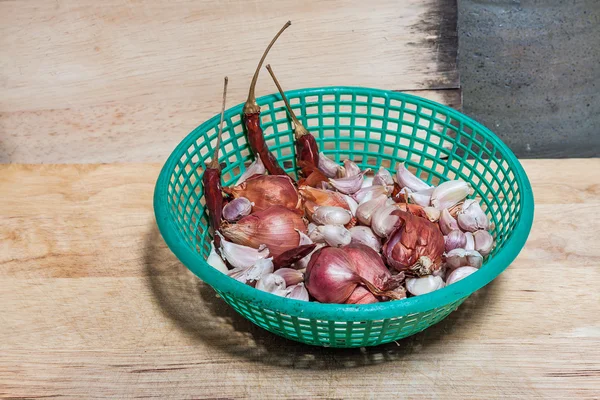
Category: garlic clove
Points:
column 472, row 218
column 302, row 264
column 329, row 167
column 352, row 204
column 291, row 276
column 256, row 168
column 367, row 182
column 383, row 178
column 474, row 259
column 470, row 241
column 407, row 179
column 459, row 273
column 483, row 242
column 456, row 258
column 350, row 168
column 297, row 292
column 422, row 198
column 449, row 194
column 447, row 222
column 272, row 283
column 364, row 235
column 334, row 235
column 348, row 185
column 433, row 214
column 383, row 222
column 215, row 261
column 329, row 215
column 455, row 240
column 365, row 211
column 253, row 273
column 304, row 239
column 424, row 285
column 239, row 255
column 237, row 208
column 369, row 193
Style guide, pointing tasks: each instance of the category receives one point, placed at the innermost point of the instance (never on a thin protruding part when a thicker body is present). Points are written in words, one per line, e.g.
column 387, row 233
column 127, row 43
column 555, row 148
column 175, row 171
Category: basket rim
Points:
column 346, row 312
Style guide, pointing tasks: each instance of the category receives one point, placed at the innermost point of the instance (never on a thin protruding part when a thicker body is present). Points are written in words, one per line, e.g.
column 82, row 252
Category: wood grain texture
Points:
column 124, row 80
column 93, row 305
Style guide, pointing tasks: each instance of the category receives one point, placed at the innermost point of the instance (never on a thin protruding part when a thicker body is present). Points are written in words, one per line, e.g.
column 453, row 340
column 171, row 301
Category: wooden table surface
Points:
column 95, row 95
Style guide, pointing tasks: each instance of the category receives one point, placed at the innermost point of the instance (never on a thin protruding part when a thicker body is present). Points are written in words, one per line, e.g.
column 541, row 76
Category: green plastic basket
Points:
column 372, row 127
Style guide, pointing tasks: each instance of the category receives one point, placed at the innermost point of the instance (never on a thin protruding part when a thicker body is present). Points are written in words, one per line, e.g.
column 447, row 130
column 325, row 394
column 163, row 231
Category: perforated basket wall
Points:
column 372, row 127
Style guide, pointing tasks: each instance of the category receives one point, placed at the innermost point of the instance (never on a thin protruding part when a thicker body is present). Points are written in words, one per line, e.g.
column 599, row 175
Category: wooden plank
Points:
column 89, row 82
column 95, row 305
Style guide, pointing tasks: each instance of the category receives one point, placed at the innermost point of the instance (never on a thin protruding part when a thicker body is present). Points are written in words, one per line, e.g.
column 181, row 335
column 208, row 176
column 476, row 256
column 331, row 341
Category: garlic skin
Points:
column 291, row 276
column 455, row 240
column 256, row 168
column 369, row 193
column 383, row 178
column 297, row 292
column 364, row 235
column 215, row 261
column 365, row 211
column 237, row 208
column 348, row 185
column 483, row 242
column 447, row 222
column 472, row 218
column 470, row 241
column 383, row 222
column 433, row 214
column 350, row 168
column 329, row 167
column 253, row 273
column 406, row 178
column 457, row 258
column 329, row 215
column 334, row 235
column 459, row 273
column 240, row 256
column 352, row 204
column 273, row 284
column 424, row 285
column 449, row 194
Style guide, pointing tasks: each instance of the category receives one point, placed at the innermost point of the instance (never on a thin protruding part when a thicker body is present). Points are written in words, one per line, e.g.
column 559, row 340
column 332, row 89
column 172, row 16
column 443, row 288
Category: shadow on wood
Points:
column 195, row 308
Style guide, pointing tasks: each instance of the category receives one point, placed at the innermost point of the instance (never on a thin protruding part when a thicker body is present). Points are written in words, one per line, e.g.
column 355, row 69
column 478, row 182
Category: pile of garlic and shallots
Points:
column 356, row 238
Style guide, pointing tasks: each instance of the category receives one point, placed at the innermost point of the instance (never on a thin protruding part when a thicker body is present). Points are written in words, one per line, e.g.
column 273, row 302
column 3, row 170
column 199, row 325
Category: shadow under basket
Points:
column 374, row 128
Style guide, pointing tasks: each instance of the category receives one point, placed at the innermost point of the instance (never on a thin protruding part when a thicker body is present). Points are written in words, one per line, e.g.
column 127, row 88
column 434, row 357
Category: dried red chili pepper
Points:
column 211, row 180
column 251, row 111
column 307, row 150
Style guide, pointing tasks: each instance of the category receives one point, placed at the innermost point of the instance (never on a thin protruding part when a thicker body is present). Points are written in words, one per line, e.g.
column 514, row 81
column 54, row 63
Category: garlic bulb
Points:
column 449, row 194
column 459, row 273
column 348, row 185
column 455, row 240
column 365, row 211
column 328, row 215
column 483, row 242
column 256, row 168
column 272, row 283
column 424, row 285
column 253, row 273
column 406, row 178
column 291, row 276
column 215, row 261
column 333, row 235
column 327, row 166
column 237, row 208
column 364, row 235
column 472, row 218
column 383, row 222
column 447, row 222
column 241, row 256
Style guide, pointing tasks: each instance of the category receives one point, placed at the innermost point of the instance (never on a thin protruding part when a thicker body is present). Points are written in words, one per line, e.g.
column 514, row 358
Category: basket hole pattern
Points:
column 373, row 130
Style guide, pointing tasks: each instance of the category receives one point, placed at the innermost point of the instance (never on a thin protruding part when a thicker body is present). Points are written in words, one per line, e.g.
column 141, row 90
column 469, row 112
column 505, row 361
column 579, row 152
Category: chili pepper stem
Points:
column 214, row 163
column 251, row 106
column 299, row 129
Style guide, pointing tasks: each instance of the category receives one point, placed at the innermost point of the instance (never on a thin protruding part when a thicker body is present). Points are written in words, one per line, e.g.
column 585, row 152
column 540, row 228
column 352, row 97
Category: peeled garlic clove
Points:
column 455, row 240
column 450, row 193
column 383, row 222
column 456, row 258
column 348, row 185
column 364, row 235
column 329, row 167
column 459, row 273
column 351, row 203
column 483, row 242
column 256, row 168
column 239, row 255
column 272, row 283
column 334, row 235
column 328, row 215
column 406, row 178
column 369, row 193
column 472, row 218
column 367, row 182
column 291, row 276
column 237, row 208
column 297, row 292
column 433, row 214
column 215, row 261
column 424, row 285
column 383, row 178
column 365, row 211
column 470, row 241
column 474, row 259
column 350, row 168
column 447, row 222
